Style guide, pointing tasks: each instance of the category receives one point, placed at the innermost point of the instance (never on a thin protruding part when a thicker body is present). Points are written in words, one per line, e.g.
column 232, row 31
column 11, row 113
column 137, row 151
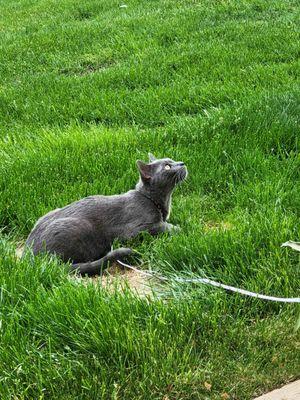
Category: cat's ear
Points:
column 151, row 157
column 145, row 170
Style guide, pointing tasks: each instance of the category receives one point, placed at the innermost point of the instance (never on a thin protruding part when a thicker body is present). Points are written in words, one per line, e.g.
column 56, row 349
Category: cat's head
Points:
column 162, row 173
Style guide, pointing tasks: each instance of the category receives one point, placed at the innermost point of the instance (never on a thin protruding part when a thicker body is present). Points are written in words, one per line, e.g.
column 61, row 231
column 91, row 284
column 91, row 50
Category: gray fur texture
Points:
column 83, row 231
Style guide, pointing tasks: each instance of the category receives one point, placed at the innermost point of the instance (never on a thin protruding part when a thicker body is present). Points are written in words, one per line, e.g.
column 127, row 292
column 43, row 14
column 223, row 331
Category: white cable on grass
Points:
column 214, row 283
column 293, row 245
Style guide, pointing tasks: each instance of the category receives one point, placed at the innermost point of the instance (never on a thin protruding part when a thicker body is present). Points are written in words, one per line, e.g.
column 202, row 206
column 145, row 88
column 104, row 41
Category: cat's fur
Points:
column 83, row 232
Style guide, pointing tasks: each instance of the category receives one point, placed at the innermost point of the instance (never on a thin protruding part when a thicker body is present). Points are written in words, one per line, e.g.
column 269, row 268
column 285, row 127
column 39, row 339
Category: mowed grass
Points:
column 87, row 89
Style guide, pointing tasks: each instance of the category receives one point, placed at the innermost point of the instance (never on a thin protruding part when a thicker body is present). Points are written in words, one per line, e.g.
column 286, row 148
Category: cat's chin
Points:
column 182, row 175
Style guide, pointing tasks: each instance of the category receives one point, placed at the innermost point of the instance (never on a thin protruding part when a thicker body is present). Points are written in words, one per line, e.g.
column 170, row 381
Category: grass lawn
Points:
column 87, row 88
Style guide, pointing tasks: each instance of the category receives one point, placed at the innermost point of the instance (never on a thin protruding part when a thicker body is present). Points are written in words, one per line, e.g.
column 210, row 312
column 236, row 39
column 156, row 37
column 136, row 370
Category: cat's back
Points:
column 89, row 207
column 92, row 207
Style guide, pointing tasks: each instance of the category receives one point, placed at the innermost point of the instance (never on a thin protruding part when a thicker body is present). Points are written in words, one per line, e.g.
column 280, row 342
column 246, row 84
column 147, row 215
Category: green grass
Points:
column 86, row 89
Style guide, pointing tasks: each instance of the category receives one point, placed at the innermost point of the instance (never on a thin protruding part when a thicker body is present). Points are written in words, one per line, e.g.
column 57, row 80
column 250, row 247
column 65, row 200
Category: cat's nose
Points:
column 181, row 164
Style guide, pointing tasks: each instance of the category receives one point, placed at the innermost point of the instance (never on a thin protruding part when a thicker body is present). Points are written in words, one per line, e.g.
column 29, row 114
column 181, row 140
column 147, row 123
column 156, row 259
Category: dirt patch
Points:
column 19, row 250
column 218, row 226
column 87, row 67
column 119, row 278
column 114, row 278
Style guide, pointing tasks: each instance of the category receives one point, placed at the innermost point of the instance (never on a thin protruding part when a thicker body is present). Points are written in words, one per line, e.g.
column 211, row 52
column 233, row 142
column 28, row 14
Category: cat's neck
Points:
column 160, row 198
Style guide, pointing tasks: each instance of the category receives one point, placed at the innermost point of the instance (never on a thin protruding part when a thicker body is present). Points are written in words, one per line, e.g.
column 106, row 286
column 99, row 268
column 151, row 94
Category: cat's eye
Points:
column 167, row 166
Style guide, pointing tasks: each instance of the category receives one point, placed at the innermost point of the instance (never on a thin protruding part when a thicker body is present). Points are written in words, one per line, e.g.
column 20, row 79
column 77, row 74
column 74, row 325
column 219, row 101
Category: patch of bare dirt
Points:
column 119, row 277
column 115, row 277
column 19, row 250
column 218, row 226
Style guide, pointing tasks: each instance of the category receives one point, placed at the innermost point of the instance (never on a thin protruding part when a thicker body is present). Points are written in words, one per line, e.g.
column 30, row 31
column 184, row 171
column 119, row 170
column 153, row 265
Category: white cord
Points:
column 214, row 283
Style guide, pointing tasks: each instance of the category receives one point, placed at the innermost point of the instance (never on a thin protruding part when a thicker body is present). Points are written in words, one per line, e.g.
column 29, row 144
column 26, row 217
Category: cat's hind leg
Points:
column 95, row 267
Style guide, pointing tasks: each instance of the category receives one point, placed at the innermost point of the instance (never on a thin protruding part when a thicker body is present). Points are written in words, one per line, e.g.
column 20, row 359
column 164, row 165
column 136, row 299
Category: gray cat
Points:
column 83, row 231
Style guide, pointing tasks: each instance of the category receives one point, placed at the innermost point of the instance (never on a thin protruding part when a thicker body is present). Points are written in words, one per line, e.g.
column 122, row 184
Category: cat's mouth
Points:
column 181, row 175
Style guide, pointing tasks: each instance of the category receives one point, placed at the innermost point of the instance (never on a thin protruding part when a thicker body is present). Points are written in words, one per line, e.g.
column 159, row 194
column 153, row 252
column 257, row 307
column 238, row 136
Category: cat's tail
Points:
column 95, row 267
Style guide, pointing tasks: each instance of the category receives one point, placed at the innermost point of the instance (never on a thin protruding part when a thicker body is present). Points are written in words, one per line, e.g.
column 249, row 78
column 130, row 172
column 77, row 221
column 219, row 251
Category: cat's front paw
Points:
column 176, row 228
column 173, row 228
